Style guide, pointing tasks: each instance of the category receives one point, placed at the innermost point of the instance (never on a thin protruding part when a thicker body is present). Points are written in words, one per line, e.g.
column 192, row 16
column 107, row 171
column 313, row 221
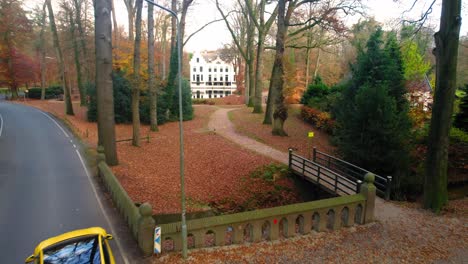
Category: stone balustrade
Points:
column 274, row 223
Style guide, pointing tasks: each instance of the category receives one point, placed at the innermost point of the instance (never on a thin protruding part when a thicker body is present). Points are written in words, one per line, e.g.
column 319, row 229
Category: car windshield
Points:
column 82, row 250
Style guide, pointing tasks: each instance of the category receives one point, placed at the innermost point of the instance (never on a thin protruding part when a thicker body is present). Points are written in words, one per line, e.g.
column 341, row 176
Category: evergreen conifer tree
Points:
column 372, row 116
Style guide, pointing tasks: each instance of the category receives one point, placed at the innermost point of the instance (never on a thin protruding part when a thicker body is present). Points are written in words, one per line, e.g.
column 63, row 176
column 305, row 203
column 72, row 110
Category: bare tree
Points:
column 247, row 29
column 151, row 76
column 105, row 98
column 63, row 72
column 136, row 76
column 446, row 50
column 76, row 53
column 258, row 19
column 326, row 17
column 115, row 27
column 130, row 5
column 82, row 34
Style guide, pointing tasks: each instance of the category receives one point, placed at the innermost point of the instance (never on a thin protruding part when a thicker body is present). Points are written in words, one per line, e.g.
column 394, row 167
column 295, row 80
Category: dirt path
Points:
column 220, row 124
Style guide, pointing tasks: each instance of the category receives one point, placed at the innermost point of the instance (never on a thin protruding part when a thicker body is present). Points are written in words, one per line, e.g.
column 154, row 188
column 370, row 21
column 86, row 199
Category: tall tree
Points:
column 280, row 112
column 258, row 19
column 130, row 4
column 247, row 51
column 136, row 76
column 151, row 75
column 82, row 38
column 446, row 50
column 76, row 54
column 105, row 97
column 63, row 71
column 41, row 47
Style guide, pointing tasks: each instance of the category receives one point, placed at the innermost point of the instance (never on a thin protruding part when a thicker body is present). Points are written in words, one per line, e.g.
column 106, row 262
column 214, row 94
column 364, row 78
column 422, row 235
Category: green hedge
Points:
column 53, row 91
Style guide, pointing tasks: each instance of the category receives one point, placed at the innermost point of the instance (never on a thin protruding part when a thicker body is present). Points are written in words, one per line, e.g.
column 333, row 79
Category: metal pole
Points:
column 181, row 128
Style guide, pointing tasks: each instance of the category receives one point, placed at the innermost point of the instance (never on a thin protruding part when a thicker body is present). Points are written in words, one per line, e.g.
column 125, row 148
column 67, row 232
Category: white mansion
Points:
column 211, row 77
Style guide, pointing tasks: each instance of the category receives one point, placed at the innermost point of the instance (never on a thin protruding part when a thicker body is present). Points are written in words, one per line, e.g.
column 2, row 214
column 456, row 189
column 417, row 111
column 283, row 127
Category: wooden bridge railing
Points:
column 328, row 179
column 352, row 172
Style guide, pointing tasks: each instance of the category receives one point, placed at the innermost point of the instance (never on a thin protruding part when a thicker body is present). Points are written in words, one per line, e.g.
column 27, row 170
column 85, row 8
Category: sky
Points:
column 216, row 35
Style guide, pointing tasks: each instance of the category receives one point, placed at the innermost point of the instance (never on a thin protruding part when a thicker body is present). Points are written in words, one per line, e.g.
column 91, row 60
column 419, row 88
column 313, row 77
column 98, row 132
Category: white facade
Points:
column 211, row 77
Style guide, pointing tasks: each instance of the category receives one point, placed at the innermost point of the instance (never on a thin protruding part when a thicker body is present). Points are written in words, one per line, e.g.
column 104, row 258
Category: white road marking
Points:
column 74, row 145
column 53, row 120
column 102, row 209
column 112, row 229
column 1, row 125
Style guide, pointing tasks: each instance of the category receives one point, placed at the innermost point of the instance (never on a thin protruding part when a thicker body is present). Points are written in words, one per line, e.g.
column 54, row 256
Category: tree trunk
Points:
column 115, row 27
column 185, row 6
column 105, row 98
column 280, row 112
column 268, row 119
column 130, row 5
column 164, row 50
column 173, row 26
column 250, row 61
column 42, row 51
column 136, row 77
column 259, row 74
column 63, row 73
column 317, row 64
column 84, row 50
column 76, row 52
column 151, row 75
column 435, row 184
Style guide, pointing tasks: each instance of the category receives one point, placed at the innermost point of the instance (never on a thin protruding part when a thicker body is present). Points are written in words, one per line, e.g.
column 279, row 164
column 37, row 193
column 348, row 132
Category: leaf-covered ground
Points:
column 215, row 168
column 251, row 125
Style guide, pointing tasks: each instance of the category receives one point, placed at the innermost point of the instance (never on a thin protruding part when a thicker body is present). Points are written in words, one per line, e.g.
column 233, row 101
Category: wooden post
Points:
column 388, row 188
column 314, row 154
column 290, row 157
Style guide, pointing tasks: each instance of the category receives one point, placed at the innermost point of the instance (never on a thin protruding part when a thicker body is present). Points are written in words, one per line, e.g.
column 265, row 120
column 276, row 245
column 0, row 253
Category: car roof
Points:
column 69, row 235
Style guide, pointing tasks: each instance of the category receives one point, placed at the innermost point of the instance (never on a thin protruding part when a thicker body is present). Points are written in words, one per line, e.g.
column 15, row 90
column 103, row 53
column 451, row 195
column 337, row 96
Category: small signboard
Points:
column 157, row 240
column 311, row 134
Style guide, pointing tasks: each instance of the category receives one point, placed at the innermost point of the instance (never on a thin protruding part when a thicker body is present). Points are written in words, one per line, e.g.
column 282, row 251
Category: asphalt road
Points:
column 44, row 188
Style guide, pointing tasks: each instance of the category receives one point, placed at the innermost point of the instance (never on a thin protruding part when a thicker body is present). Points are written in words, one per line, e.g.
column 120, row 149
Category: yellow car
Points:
column 88, row 245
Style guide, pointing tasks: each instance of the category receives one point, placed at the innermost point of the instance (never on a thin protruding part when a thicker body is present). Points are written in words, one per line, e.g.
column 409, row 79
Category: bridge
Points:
column 334, row 175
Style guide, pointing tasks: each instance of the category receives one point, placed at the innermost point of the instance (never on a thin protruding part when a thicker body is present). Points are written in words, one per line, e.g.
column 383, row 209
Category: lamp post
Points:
column 181, row 129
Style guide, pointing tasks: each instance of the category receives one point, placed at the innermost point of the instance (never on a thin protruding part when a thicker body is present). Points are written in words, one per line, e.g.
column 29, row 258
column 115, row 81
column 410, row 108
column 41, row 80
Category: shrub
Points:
column 321, row 120
column 461, row 119
column 315, row 93
column 53, row 91
column 123, row 102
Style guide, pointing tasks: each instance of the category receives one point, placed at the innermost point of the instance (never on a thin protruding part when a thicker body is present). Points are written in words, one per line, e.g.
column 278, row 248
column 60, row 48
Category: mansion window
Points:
column 221, row 70
column 194, row 69
column 215, row 69
column 209, row 69
column 198, row 59
column 201, row 68
column 226, row 69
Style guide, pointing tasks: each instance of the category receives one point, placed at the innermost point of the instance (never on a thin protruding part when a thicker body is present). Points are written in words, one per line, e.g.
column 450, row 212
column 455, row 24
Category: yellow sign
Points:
column 311, row 134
